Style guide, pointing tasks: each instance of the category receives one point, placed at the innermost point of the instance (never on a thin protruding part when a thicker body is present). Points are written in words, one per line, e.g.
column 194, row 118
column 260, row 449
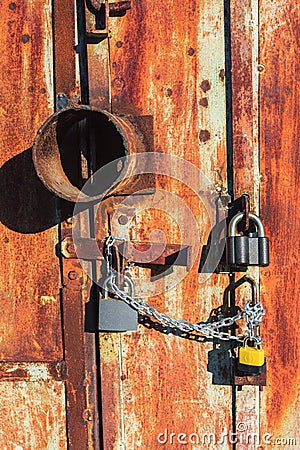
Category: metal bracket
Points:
column 171, row 254
column 241, row 204
column 240, row 379
column 97, row 14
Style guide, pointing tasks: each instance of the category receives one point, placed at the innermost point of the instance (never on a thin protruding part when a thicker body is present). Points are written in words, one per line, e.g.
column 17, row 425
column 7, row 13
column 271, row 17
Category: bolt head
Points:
column 72, row 275
column 122, row 219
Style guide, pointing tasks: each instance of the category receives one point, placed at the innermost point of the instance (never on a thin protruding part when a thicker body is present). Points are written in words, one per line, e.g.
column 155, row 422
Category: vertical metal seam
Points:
column 54, row 64
column 259, row 395
column 123, row 433
column 109, row 60
column 82, row 51
column 228, row 95
column 59, row 234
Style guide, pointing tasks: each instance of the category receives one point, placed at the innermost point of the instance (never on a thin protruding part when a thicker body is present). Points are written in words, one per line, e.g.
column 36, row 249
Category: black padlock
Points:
column 251, row 250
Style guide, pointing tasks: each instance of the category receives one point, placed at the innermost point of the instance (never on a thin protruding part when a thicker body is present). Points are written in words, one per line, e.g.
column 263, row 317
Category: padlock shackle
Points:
column 246, row 279
column 232, row 229
column 253, row 339
column 110, row 280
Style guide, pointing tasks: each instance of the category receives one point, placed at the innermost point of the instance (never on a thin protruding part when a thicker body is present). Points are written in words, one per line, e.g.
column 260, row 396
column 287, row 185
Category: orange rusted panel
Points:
column 30, row 323
column 32, row 400
column 30, row 318
column 64, row 47
column 32, row 415
column 280, row 138
column 155, row 383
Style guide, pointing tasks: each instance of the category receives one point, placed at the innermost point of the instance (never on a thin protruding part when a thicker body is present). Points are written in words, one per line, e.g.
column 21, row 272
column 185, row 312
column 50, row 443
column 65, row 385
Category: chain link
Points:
column 253, row 312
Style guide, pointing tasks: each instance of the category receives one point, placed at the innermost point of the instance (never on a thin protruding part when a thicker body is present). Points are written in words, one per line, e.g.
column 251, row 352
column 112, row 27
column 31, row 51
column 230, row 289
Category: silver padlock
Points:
column 114, row 314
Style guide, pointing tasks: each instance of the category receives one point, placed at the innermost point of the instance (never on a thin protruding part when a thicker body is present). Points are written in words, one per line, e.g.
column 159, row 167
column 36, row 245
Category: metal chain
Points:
column 253, row 313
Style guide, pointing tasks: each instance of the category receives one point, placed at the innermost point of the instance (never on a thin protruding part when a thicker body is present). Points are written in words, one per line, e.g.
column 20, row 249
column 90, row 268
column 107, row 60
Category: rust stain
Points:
column 222, row 74
column 205, row 85
column 33, row 371
column 203, row 102
column 204, row 135
column 280, row 121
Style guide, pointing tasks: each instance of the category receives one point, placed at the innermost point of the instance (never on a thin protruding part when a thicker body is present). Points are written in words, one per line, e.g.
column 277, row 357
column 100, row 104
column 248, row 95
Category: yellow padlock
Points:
column 251, row 358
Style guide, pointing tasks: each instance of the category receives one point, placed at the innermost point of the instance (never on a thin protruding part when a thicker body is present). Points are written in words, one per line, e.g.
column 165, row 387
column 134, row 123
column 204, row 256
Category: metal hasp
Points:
column 247, row 250
column 172, row 254
column 98, row 13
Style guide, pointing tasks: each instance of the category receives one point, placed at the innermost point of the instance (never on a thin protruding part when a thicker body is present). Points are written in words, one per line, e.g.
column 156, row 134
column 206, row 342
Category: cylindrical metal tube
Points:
column 82, row 136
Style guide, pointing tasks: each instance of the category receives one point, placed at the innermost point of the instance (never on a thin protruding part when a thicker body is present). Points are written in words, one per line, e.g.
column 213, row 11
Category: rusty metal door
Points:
column 219, row 81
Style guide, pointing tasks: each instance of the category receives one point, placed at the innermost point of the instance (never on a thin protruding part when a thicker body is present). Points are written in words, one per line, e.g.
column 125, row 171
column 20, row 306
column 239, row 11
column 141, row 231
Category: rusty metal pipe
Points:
column 64, row 138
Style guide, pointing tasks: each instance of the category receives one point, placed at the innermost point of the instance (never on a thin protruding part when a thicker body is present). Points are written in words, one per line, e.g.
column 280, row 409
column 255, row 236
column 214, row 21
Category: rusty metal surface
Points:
column 244, row 47
column 64, row 47
column 33, row 371
column 74, row 356
column 32, row 412
column 80, row 357
column 244, row 28
column 114, row 7
column 280, row 136
column 32, row 415
column 153, row 381
column 30, row 311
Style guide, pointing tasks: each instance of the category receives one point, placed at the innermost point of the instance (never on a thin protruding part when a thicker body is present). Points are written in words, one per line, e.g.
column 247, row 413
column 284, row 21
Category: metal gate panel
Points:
column 242, row 27
column 168, row 61
column 280, row 138
column 30, row 275
column 32, row 398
